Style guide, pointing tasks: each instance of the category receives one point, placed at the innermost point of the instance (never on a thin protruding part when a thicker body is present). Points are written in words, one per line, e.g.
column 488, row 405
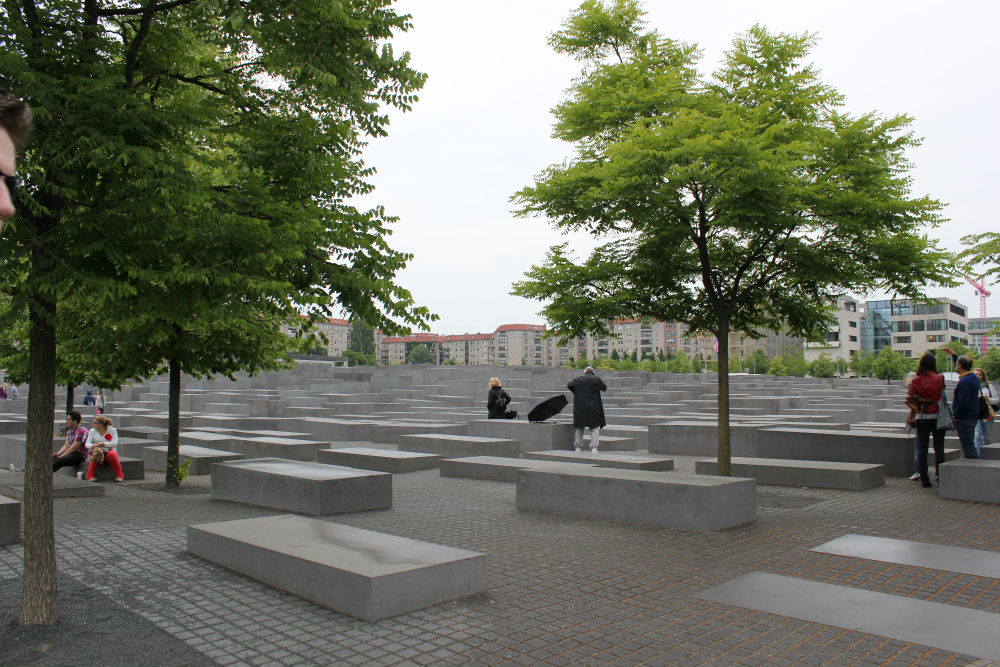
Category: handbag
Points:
column 945, row 421
column 985, row 410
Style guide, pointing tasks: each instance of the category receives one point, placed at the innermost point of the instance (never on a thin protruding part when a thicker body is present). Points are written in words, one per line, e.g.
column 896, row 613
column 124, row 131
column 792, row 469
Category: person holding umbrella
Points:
column 588, row 409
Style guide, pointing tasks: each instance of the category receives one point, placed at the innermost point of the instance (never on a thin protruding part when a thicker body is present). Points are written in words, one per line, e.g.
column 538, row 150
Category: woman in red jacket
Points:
column 923, row 395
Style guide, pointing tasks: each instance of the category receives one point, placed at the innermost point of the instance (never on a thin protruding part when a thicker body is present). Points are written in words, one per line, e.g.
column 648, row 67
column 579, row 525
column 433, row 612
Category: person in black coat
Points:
column 497, row 402
column 588, row 410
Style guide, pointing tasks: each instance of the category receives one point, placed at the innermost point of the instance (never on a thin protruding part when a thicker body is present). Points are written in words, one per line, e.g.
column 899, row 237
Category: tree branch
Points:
column 143, row 10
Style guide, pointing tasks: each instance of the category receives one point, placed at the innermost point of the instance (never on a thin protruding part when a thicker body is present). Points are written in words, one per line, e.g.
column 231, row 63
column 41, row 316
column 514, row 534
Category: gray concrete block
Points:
column 392, row 431
column 309, row 488
column 673, row 500
column 533, row 437
column 605, row 459
column 133, row 469
column 201, row 458
column 357, row 572
column 894, row 451
column 991, row 452
column 498, row 468
column 10, row 521
column 460, row 446
column 383, row 460
column 63, row 486
column 789, row 472
column 971, row 479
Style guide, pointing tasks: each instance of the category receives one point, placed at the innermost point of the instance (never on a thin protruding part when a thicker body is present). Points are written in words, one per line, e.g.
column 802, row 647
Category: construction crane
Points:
column 982, row 293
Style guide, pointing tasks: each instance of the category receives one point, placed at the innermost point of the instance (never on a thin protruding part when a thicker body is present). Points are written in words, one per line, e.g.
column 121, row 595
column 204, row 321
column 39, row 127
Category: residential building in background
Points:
column 843, row 339
column 772, row 343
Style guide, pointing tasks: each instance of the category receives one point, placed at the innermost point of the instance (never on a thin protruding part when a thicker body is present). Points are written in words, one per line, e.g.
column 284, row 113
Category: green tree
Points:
column 732, row 204
column 822, row 367
column 615, row 355
column 355, row 358
column 795, row 362
column 362, row 339
column 697, row 365
column 982, row 254
column 194, row 181
column 419, row 354
column 990, row 362
column 757, row 362
column 863, row 364
column 890, row 365
column 660, row 356
column 681, row 363
column 778, row 366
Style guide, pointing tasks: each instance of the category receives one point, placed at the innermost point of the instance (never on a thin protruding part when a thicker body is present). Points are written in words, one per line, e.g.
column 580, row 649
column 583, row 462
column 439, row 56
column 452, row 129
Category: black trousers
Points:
column 925, row 427
column 72, row 459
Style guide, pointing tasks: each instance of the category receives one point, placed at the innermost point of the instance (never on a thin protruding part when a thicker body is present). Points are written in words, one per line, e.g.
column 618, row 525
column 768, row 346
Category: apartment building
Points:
column 911, row 328
column 393, row 349
column 519, row 344
column 984, row 333
column 337, row 332
column 772, row 343
column 843, row 338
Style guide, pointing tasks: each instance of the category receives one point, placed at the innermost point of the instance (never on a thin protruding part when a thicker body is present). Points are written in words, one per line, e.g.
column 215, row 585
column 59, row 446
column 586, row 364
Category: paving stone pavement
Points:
column 562, row 590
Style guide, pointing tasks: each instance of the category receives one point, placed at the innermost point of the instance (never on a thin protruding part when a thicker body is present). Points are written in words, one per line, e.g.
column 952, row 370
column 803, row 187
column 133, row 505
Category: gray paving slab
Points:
column 943, row 626
column 63, row 486
column 605, row 459
column 919, row 554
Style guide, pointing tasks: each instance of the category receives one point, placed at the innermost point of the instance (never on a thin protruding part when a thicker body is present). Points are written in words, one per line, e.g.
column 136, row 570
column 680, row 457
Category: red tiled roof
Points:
column 521, row 327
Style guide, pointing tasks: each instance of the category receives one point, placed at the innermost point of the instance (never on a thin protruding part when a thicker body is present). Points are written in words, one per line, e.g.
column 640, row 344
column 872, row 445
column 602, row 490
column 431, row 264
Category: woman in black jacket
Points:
column 497, row 402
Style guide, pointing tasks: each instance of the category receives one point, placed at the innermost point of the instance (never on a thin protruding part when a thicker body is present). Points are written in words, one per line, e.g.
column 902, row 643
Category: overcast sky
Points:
column 481, row 129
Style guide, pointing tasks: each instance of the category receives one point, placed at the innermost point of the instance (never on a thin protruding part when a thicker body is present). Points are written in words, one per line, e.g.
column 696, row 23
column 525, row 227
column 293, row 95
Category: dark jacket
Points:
column 496, row 402
column 966, row 403
column 588, row 410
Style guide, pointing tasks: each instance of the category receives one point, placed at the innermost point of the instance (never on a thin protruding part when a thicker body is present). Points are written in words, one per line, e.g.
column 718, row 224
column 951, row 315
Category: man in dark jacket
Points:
column 965, row 407
column 588, row 410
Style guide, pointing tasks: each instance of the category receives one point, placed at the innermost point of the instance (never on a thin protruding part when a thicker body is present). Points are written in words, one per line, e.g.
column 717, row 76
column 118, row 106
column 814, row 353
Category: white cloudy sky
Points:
column 481, row 129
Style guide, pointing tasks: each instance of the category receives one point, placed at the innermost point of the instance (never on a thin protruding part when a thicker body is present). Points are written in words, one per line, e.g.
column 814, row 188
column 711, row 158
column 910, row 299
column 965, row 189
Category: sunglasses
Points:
column 11, row 183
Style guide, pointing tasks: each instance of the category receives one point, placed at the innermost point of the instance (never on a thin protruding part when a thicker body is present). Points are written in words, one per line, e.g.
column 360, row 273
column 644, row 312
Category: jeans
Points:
column 966, row 431
column 982, row 435
column 925, row 427
column 72, row 459
column 595, row 437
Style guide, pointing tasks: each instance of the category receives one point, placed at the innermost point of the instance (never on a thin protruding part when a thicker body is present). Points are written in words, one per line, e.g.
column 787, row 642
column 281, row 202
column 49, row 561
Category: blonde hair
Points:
column 986, row 378
column 103, row 421
column 494, row 382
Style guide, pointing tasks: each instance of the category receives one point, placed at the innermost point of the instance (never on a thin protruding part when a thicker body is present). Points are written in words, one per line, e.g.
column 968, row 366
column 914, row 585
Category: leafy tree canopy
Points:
column 822, row 367
column 731, row 203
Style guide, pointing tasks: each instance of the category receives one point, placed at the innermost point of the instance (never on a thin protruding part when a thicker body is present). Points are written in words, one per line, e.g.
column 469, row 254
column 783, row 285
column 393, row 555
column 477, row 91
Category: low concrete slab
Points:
column 976, row 562
column 673, row 500
column 309, row 488
column 606, row 459
column 10, row 521
column 498, row 468
column 789, row 472
column 384, row 460
column 63, row 486
column 353, row 571
column 991, row 452
column 533, row 437
column 459, row 446
column 201, row 458
column 944, row 626
column 971, row 479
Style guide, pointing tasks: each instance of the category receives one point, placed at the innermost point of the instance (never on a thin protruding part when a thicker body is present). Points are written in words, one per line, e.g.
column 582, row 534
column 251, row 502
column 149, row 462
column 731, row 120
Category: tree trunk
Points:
column 722, row 465
column 39, row 598
column 173, row 424
column 70, row 400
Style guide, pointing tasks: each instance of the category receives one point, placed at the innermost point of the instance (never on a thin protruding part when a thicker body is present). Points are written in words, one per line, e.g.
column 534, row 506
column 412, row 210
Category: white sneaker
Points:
column 577, row 450
column 915, row 476
column 593, row 450
column 79, row 474
column 13, row 469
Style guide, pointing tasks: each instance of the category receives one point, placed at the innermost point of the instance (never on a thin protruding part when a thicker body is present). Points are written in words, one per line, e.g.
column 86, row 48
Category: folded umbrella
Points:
column 547, row 408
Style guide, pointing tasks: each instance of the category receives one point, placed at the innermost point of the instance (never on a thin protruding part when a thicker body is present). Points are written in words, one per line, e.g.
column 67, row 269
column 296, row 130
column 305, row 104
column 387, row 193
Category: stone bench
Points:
column 672, row 500
column 789, row 472
column 460, row 446
column 991, row 452
column 201, row 458
column 350, row 570
column 894, row 451
column 497, row 468
column 393, row 431
column 10, row 521
column 605, row 459
column 309, row 488
column 971, row 479
column 383, row 460
column 133, row 469
column 531, row 436
column 701, row 438
column 63, row 486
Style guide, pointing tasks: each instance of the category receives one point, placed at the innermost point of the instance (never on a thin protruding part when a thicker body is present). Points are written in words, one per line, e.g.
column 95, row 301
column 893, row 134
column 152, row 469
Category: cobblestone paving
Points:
column 562, row 590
